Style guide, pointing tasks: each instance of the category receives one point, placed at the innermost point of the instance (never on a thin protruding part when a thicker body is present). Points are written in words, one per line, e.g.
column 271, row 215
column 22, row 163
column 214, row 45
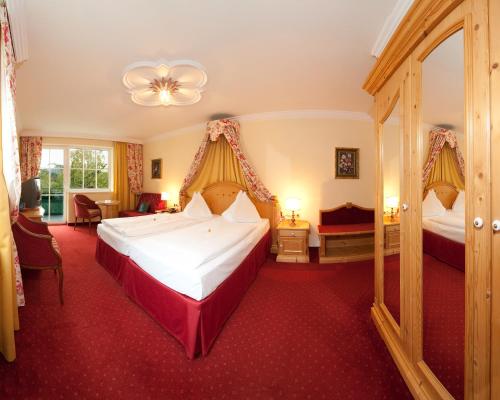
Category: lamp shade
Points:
column 292, row 204
column 392, row 202
column 165, row 196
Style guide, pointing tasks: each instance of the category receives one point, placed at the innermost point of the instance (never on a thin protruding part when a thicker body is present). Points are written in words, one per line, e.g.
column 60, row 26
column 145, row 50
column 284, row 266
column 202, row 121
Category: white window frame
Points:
column 67, row 171
column 67, row 167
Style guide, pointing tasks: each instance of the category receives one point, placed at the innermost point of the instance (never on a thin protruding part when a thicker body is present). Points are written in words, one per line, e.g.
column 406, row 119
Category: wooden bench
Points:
column 346, row 234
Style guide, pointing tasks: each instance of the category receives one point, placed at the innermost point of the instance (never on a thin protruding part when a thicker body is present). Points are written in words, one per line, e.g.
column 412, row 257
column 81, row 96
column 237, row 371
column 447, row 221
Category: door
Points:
column 391, row 209
column 52, row 184
column 494, row 21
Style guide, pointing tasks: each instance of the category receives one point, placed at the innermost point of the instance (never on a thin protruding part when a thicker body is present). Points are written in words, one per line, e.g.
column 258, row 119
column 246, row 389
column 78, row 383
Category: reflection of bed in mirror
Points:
column 444, row 235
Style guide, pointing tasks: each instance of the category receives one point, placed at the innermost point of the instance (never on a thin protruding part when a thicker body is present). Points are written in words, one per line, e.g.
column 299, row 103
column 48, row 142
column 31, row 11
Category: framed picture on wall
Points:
column 346, row 163
column 156, row 168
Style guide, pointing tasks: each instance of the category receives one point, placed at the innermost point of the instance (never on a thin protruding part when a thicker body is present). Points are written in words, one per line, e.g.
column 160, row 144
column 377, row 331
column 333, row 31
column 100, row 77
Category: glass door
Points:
column 52, row 184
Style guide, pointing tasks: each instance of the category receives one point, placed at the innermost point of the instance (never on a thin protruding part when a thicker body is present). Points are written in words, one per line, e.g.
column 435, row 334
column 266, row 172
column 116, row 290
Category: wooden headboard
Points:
column 219, row 196
column 445, row 192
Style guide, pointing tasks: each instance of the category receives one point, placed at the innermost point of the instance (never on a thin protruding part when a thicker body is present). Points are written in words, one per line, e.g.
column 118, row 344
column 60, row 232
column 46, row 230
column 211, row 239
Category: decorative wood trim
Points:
column 446, row 193
column 421, row 18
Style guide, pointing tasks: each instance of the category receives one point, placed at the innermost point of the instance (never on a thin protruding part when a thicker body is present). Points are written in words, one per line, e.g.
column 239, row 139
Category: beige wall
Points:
column 64, row 142
column 294, row 158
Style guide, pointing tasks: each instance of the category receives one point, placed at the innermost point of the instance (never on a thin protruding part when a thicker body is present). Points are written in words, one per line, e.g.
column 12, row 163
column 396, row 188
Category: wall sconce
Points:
column 392, row 202
column 293, row 204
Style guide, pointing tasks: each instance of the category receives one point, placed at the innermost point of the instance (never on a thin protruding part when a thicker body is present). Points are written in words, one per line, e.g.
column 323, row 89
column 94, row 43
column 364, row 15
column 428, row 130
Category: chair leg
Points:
column 60, row 277
column 76, row 221
column 90, row 224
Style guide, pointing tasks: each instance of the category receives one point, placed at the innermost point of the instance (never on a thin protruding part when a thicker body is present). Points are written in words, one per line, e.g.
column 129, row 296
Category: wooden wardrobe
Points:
column 398, row 84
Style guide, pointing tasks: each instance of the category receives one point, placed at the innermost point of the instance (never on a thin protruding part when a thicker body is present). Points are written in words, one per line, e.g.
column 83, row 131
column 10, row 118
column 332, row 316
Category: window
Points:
column 89, row 169
column 52, row 183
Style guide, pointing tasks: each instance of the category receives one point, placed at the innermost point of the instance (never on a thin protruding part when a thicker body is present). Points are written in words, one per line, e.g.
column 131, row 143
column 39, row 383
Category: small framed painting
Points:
column 346, row 163
column 156, row 169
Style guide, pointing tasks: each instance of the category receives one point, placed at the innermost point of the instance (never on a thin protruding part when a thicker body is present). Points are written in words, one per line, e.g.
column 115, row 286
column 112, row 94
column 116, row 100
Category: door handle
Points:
column 404, row 206
column 496, row 225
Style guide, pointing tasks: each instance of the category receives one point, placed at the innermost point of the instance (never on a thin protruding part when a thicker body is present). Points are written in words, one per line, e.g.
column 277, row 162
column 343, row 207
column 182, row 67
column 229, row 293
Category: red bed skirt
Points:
column 445, row 250
column 196, row 324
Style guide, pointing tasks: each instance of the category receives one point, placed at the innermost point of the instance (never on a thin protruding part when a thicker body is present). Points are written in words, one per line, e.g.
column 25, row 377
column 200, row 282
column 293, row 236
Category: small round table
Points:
column 107, row 206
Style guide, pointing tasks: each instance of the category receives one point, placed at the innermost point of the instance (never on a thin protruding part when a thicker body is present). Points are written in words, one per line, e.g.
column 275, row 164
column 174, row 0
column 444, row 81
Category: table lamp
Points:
column 165, row 196
column 392, row 202
column 292, row 204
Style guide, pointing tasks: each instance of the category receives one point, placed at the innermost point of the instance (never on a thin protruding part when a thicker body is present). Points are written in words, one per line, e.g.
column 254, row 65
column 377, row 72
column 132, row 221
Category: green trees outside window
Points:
column 89, row 169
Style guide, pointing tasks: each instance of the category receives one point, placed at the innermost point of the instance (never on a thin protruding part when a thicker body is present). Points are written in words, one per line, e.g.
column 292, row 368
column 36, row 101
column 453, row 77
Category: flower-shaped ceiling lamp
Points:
column 164, row 83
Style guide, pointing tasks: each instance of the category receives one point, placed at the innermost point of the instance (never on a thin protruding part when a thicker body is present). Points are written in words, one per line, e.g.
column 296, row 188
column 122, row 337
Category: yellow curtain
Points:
column 9, row 319
column 120, row 177
column 446, row 169
column 219, row 165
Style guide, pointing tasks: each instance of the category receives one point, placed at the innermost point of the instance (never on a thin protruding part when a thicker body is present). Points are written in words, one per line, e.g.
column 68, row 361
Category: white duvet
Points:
column 194, row 245
column 451, row 225
column 149, row 224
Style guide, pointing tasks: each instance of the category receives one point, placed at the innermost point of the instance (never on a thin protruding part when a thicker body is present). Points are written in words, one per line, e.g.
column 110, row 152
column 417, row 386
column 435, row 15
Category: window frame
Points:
column 110, row 187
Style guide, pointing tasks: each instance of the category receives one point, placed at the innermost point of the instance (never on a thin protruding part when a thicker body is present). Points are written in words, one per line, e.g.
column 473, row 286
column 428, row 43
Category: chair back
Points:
column 82, row 204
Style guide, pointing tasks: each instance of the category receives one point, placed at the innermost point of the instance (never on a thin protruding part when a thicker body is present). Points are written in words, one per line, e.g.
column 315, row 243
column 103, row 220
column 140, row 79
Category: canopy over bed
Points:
column 220, row 170
column 445, row 162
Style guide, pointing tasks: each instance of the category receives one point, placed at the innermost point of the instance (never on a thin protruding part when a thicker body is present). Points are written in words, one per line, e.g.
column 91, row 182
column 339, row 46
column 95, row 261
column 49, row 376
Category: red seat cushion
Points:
column 348, row 228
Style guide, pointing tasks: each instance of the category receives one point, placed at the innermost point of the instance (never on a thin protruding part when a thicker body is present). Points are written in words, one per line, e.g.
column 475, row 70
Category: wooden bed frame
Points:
column 220, row 195
column 446, row 193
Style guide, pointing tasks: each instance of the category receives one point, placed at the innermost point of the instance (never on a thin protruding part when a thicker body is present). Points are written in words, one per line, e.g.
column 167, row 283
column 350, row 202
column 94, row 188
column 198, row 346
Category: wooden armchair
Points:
column 85, row 208
column 37, row 248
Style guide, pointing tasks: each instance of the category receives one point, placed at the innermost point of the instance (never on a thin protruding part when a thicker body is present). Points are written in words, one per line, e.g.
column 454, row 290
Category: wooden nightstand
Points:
column 391, row 235
column 293, row 242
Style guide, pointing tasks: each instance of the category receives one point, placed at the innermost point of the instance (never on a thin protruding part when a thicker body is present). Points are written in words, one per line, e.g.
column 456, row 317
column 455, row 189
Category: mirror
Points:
column 392, row 166
column 443, row 213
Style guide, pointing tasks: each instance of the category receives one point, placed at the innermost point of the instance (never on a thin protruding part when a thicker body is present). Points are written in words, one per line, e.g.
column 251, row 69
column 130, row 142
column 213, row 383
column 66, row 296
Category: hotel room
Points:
column 250, row 200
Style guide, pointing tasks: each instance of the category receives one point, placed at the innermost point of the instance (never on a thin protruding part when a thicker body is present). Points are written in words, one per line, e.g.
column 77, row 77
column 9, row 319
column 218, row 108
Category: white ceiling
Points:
column 443, row 84
column 260, row 56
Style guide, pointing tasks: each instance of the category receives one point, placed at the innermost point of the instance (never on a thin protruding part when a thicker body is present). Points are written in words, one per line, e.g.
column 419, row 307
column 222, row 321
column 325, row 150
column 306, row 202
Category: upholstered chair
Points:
column 86, row 209
column 37, row 248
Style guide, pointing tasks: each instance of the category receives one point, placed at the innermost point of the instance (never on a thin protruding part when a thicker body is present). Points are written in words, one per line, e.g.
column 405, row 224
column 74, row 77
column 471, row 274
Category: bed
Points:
column 191, row 292
column 444, row 235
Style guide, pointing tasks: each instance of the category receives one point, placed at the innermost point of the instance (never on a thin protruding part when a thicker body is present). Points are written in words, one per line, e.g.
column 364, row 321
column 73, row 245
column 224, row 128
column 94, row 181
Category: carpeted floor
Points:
column 303, row 331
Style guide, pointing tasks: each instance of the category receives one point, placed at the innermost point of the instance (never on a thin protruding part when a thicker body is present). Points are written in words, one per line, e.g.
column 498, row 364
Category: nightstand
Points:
column 293, row 242
column 167, row 210
column 391, row 235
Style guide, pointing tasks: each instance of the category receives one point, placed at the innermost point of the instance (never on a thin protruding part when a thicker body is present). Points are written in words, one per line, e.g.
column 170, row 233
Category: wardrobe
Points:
column 441, row 325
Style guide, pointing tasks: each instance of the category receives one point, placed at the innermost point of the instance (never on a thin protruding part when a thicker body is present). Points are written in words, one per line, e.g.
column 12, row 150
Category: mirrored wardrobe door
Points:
column 443, row 134
column 391, row 183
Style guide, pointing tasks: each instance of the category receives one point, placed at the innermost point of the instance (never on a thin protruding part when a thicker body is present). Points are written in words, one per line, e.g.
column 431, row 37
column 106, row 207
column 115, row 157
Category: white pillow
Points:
column 242, row 210
column 197, row 207
column 228, row 214
column 459, row 205
column 431, row 206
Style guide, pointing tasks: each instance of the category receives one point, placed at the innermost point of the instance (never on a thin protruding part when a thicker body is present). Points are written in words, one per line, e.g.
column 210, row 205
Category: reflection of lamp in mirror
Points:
column 392, row 202
column 293, row 204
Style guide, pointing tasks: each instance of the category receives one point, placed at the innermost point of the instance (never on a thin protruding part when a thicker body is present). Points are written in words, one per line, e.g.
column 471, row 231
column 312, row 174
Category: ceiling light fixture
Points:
column 165, row 83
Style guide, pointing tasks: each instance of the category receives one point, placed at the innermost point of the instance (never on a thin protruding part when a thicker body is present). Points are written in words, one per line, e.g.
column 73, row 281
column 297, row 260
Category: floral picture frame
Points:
column 156, row 168
column 346, row 163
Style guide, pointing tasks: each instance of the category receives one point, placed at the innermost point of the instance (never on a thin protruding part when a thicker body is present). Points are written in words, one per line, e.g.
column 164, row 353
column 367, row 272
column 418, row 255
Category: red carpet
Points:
column 302, row 331
column 444, row 317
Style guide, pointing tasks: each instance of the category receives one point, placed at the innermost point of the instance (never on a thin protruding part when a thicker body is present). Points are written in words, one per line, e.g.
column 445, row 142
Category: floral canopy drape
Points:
column 135, row 167
column 445, row 161
column 10, row 149
column 230, row 130
column 31, row 156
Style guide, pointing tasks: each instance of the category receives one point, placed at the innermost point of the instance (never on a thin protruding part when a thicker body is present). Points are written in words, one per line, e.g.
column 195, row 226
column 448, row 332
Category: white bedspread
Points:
column 197, row 259
column 451, row 226
column 150, row 224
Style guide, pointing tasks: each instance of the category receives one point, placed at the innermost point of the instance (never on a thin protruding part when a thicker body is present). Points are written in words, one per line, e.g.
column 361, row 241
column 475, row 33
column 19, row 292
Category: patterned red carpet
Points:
column 301, row 332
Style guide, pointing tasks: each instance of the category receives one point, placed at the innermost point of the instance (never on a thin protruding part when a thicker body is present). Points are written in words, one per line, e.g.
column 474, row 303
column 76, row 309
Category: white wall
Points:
column 293, row 157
